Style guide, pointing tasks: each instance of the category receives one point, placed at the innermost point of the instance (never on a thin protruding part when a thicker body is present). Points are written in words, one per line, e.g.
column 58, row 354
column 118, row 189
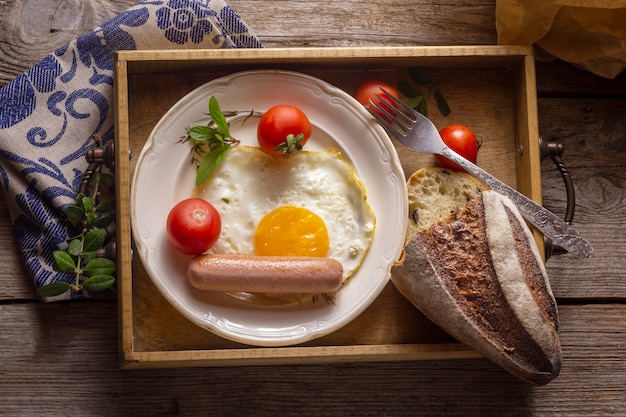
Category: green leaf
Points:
column 88, row 204
column 75, row 214
column 290, row 145
column 442, row 104
column 79, row 197
column 54, row 289
column 75, row 247
column 416, row 101
column 204, row 134
column 93, row 240
column 211, row 161
column 103, row 222
column 90, row 217
column 63, row 261
column 103, row 206
column 98, row 283
column 419, row 76
column 218, row 117
column 422, row 107
column 100, row 266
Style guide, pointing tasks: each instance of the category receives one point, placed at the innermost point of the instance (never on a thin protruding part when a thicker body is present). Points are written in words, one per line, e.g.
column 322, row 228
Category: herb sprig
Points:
column 90, row 215
column 210, row 143
column 417, row 97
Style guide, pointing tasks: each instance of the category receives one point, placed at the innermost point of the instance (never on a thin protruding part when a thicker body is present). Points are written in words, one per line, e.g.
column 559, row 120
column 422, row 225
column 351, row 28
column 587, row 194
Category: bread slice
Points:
column 433, row 192
column 477, row 273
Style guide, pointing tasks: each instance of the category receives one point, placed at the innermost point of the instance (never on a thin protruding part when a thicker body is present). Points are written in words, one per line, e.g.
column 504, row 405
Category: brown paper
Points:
column 590, row 34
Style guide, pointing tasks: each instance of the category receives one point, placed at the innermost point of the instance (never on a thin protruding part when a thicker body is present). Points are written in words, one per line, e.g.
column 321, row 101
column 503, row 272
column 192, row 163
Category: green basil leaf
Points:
column 202, row 134
column 442, row 104
column 210, row 161
column 54, row 289
column 416, row 101
column 218, row 117
column 63, row 261
column 100, row 266
column 93, row 240
column 98, row 283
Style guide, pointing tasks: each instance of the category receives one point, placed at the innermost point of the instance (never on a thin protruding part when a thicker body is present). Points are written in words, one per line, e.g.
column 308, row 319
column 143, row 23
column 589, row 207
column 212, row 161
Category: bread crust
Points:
column 479, row 276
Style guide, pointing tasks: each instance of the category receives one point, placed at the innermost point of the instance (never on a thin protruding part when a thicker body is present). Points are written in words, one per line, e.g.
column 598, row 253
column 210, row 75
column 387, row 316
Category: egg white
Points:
column 248, row 184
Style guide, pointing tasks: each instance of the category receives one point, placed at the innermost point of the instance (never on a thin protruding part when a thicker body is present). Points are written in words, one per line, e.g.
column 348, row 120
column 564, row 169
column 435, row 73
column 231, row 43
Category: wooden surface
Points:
column 62, row 359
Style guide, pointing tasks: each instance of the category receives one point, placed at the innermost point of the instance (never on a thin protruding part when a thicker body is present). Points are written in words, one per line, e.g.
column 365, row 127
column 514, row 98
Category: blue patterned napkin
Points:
column 49, row 114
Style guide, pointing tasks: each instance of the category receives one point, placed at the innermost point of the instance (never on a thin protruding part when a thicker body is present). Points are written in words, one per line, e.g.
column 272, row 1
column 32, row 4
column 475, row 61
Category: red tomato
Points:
column 366, row 90
column 193, row 226
column 461, row 140
column 283, row 131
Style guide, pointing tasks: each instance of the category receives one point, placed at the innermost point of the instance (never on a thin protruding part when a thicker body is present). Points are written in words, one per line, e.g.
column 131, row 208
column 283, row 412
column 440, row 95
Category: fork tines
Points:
column 396, row 115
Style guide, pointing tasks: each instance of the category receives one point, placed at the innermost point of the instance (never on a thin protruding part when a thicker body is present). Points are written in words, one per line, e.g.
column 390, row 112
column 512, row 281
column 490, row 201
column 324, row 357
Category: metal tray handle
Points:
column 554, row 151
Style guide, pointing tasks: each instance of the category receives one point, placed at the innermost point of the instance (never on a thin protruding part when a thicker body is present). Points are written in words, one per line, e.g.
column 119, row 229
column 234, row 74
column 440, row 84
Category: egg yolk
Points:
column 291, row 231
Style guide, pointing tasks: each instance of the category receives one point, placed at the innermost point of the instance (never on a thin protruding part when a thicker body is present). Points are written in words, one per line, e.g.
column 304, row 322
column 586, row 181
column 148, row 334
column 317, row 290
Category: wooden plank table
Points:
column 62, row 358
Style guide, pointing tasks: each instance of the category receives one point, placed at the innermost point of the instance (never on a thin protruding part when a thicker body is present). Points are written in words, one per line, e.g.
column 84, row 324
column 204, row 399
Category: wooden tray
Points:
column 490, row 88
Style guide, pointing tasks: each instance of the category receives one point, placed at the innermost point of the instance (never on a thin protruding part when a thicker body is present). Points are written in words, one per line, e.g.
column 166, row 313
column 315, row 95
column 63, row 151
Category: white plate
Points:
column 163, row 177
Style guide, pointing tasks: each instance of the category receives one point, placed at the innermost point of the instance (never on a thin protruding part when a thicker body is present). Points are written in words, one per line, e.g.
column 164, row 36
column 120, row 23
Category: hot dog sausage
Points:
column 266, row 274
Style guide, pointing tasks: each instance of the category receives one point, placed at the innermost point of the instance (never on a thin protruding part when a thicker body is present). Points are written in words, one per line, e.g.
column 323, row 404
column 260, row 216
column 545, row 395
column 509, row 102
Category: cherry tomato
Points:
column 366, row 90
column 193, row 226
column 460, row 139
column 283, row 131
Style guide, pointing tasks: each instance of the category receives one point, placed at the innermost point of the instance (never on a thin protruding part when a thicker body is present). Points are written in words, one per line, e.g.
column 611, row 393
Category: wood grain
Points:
column 63, row 367
column 593, row 133
column 387, row 22
column 31, row 29
column 62, row 359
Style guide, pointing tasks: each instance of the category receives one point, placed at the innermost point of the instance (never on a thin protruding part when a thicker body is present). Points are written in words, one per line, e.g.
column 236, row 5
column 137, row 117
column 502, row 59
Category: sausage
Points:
column 266, row 274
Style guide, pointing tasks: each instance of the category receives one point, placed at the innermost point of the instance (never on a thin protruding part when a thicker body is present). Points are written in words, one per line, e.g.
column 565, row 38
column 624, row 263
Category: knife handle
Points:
column 552, row 226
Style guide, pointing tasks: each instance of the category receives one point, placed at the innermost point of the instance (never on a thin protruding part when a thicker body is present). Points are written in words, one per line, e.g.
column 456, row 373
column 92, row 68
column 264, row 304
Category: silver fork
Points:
column 417, row 132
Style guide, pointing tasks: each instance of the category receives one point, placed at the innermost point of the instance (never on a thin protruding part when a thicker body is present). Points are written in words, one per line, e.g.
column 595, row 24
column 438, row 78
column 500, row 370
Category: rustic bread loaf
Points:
column 477, row 273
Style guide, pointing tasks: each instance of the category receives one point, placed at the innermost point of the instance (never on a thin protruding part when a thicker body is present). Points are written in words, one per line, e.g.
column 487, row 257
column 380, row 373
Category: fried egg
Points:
column 312, row 204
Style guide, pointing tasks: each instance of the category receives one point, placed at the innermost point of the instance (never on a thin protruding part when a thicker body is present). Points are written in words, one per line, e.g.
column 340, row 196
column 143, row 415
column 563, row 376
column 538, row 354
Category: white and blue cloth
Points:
column 49, row 114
